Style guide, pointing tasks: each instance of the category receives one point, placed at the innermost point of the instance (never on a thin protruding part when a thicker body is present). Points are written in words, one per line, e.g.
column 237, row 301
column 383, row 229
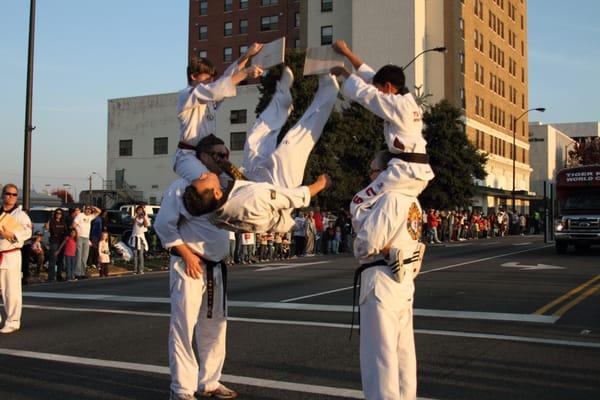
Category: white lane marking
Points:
column 535, row 318
column 308, row 296
column 347, row 326
column 522, row 244
column 157, row 369
column 97, row 297
column 288, row 266
column 529, row 267
column 481, row 259
column 316, row 294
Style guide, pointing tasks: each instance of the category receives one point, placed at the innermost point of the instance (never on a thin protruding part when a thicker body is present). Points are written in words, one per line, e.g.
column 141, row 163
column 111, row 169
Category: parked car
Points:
column 119, row 223
column 40, row 216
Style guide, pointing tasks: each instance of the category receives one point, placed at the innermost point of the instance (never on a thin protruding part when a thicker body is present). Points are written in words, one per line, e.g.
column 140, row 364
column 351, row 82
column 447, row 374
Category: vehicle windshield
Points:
column 587, row 200
column 40, row 216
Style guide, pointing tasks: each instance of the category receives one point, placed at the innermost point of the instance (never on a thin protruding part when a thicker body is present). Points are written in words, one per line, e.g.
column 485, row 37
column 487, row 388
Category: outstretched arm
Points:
column 342, row 48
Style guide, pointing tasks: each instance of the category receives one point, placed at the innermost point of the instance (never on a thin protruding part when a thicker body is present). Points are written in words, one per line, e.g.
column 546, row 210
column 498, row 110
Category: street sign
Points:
column 530, row 267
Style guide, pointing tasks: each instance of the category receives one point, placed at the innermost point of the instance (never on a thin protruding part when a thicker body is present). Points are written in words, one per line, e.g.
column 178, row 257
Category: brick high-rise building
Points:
column 484, row 70
column 221, row 30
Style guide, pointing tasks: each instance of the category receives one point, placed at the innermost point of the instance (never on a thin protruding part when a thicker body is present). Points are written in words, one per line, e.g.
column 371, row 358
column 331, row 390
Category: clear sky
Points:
column 87, row 52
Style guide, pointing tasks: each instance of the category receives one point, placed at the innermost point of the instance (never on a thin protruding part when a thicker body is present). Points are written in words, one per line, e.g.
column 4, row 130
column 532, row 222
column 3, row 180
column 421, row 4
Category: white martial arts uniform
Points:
column 387, row 348
column 403, row 124
column 267, row 208
column 175, row 226
column 197, row 115
column 10, row 269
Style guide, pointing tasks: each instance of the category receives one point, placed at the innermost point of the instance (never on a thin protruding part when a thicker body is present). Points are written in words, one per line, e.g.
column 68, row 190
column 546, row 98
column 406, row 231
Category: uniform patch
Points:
column 414, row 221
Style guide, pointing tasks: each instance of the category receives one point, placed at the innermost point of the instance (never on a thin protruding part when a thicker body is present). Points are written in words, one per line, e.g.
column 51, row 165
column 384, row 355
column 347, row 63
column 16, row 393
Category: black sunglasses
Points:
column 10, row 194
column 221, row 155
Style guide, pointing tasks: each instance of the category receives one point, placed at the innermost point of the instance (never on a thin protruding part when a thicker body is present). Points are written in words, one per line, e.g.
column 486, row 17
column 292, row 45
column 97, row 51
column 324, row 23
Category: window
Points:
column 227, row 54
column 202, row 32
column 326, row 5
column 462, row 97
column 243, row 49
column 243, row 26
column 228, row 29
column 237, row 117
column 243, row 4
column 161, row 145
column 461, row 25
column 228, row 5
column 296, row 43
column 269, row 2
column 269, row 23
column 152, row 199
column 296, row 20
column 326, row 35
column 237, row 140
column 125, row 147
column 202, row 53
column 203, row 7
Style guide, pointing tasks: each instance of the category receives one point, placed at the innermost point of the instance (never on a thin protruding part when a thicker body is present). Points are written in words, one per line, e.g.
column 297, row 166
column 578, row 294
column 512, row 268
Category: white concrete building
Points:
column 143, row 133
column 549, row 149
column 579, row 129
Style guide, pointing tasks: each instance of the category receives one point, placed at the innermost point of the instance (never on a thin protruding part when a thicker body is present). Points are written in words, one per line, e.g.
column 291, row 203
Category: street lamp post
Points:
column 437, row 49
column 514, row 151
column 101, row 177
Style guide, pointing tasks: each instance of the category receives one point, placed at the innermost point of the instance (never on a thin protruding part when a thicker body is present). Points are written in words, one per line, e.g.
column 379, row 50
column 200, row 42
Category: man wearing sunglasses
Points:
column 13, row 235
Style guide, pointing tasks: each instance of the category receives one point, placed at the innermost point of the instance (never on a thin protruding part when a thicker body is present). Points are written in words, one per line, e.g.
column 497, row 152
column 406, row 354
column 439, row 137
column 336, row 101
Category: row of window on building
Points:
column 497, row 146
column 326, row 5
column 496, row 114
column 493, row 21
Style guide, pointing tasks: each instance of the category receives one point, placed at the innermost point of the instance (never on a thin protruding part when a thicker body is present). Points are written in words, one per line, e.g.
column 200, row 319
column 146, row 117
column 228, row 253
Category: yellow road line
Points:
column 567, row 295
column 576, row 301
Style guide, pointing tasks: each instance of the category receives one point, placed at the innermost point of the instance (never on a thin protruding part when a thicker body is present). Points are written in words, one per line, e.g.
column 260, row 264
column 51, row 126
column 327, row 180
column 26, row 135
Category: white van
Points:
column 151, row 210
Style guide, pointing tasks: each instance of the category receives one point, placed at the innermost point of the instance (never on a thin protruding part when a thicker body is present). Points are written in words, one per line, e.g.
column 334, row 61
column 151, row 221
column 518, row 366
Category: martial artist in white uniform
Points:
column 11, row 243
column 386, row 224
column 403, row 124
column 279, row 169
column 192, row 237
column 197, row 108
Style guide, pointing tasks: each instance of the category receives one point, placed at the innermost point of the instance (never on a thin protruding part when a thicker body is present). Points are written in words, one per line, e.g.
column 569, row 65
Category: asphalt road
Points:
column 494, row 319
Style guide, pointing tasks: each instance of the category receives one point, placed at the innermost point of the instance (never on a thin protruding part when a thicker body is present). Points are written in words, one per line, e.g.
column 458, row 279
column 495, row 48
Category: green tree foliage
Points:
column 350, row 138
column 455, row 160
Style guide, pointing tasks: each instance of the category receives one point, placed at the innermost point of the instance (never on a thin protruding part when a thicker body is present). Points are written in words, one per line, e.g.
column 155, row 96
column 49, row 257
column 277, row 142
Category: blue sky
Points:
column 88, row 52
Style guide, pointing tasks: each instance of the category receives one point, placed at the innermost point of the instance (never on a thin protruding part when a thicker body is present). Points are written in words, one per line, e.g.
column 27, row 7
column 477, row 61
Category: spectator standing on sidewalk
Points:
column 103, row 254
column 69, row 245
column 58, row 231
column 318, row 217
column 82, row 223
column 299, row 230
column 433, row 221
column 310, row 233
column 138, row 238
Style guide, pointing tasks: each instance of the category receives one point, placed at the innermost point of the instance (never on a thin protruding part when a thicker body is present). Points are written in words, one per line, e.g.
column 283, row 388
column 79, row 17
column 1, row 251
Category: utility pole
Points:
column 90, row 191
column 28, row 96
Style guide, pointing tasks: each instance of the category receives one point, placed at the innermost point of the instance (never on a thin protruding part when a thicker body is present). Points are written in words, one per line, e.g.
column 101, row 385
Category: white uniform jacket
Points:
column 260, row 207
column 393, row 219
column 21, row 234
column 197, row 106
column 175, row 226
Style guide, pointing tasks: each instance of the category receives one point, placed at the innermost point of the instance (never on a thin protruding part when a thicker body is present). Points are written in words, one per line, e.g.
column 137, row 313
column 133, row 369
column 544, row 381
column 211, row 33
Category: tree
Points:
column 61, row 193
column 586, row 152
column 349, row 138
column 455, row 161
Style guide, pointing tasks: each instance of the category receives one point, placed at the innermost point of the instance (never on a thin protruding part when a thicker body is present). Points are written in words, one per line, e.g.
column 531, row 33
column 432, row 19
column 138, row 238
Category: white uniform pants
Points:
column 388, row 362
column 188, row 317
column 284, row 164
column 10, row 284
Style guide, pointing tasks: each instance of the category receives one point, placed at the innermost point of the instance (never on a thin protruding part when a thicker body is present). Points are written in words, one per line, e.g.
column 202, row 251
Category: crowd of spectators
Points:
column 448, row 226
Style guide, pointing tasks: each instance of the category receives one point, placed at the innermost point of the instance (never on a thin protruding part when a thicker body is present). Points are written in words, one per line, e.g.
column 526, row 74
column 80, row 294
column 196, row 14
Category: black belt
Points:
column 210, row 281
column 418, row 158
column 357, row 275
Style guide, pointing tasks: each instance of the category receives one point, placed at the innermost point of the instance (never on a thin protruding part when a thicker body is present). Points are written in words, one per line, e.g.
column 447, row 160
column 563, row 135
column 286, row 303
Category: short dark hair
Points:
column 200, row 65
column 392, row 74
column 206, row 144
column 199, row 203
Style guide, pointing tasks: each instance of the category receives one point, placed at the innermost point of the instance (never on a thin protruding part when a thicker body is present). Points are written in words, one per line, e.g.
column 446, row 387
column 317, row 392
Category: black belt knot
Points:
column 210, row 281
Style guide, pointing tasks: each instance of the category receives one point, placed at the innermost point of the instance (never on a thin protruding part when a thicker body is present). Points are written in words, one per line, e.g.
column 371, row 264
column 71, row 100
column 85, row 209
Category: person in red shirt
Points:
column 70, row 246
column 433, row 221
column 318, row 217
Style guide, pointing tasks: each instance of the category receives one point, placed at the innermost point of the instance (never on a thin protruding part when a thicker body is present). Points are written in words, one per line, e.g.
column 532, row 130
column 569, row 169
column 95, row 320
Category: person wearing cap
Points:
column 384, row 94
column 197, row 106
column 11, row 242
